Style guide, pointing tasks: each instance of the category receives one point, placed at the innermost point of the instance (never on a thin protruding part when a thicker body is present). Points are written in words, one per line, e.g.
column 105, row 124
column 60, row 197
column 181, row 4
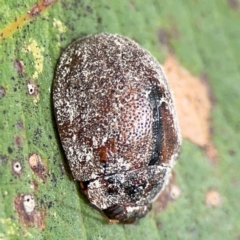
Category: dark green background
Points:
column 203, row 35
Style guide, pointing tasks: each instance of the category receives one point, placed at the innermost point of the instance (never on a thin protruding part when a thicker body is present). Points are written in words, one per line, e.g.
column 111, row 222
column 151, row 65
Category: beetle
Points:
column 117, row 123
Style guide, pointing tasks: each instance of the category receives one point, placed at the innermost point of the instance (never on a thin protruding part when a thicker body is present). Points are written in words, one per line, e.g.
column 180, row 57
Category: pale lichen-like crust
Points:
column 117, row 123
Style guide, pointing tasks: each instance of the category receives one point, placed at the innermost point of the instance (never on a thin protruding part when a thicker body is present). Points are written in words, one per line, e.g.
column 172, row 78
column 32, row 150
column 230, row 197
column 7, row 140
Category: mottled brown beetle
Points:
column 117, row 123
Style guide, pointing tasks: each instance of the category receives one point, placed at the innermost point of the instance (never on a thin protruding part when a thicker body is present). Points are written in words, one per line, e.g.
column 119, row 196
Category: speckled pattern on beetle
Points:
column 117, row 123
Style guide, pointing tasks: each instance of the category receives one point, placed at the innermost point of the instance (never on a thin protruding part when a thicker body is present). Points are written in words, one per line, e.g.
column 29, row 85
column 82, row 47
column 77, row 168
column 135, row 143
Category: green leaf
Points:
column 206, row 40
